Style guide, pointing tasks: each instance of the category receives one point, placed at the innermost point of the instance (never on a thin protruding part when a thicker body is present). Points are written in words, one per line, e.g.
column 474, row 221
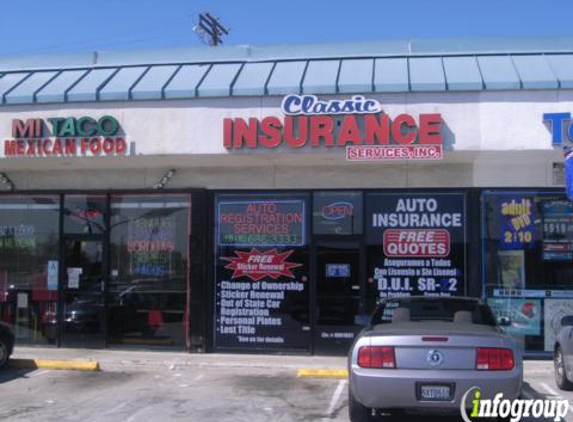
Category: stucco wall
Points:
column 491, row 139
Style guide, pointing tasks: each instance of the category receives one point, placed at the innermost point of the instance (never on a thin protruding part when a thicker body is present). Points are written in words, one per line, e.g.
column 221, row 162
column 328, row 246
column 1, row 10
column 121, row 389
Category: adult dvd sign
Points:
column 418, row 244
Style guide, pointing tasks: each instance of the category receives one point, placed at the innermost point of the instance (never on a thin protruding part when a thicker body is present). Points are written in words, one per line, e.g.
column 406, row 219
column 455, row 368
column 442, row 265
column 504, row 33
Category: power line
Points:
column 112, row 37
column 135, row 41
column 209, row 26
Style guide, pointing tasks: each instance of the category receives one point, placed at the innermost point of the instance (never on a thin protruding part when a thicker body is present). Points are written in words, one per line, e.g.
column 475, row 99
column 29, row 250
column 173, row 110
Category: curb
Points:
column 322, row 373
column 73, row 365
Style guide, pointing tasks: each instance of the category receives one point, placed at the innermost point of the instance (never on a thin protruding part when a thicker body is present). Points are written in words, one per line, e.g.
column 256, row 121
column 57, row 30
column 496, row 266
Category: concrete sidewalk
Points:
column 115, row 357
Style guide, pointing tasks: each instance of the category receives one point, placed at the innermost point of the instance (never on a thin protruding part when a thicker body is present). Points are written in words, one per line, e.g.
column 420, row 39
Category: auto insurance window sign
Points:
column 421, row 244
column 262, row 292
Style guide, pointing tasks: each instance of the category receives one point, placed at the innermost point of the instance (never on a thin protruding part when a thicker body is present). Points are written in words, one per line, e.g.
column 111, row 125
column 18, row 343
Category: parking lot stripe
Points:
column 549, row 389
column 554, row 393
column 527, row 395
column 336, row 397
column 37, row 374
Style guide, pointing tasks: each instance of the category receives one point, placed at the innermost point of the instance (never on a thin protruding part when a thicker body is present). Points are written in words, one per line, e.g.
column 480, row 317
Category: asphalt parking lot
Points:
column 133, row 394
column 206, row 390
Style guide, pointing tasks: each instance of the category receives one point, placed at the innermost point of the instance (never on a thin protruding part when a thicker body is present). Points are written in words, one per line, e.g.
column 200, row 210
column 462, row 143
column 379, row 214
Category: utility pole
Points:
column 209, row 27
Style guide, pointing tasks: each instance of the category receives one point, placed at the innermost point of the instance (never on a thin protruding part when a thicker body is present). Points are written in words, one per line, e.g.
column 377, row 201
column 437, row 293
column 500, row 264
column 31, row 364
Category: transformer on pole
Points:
column 210, row 30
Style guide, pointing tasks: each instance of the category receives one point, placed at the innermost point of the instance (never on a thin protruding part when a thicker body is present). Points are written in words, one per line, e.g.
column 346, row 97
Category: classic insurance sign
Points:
column 357, row 124
column 65, row 137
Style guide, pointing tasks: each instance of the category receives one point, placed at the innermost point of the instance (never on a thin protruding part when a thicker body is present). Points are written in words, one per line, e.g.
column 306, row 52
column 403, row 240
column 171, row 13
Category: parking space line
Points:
column 549, row 389
column 527, row 395
column 336, row 397
column 37, row 374
column 555, row 393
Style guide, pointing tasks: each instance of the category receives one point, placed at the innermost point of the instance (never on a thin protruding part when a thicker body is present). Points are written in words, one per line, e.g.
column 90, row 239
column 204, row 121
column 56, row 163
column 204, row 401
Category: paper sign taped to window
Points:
column 53, row 275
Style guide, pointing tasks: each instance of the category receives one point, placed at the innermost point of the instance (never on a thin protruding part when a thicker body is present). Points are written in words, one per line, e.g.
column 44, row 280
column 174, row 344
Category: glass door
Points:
column 83, row 288
column 338, row 296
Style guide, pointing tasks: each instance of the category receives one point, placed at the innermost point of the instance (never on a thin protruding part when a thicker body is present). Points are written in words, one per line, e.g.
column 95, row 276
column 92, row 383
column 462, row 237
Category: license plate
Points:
column 434, row 392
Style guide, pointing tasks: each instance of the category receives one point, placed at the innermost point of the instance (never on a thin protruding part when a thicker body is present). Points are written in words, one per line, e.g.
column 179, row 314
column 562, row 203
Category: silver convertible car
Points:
column 563, row 353
column 422, row 354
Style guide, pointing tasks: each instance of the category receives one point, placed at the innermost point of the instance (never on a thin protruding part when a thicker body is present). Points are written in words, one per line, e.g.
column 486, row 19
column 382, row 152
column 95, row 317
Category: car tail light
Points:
column 381, row 357
column 434, row 339
column 494, row 359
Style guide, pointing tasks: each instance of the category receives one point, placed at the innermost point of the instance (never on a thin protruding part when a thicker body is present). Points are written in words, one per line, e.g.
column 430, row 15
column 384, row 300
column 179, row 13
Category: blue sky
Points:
column 53, row 26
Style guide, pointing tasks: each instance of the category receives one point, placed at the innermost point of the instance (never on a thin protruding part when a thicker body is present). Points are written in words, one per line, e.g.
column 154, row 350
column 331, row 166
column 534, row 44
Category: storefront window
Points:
column 528, row 254
column 262, row 290
column 84, row 214
column 149, row 247
column 416, row 245
column 29, row 240
column 338, row 213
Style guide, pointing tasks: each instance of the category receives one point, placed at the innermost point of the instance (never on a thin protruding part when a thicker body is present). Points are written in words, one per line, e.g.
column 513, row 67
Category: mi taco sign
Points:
column 65, row 137
column 357, row 124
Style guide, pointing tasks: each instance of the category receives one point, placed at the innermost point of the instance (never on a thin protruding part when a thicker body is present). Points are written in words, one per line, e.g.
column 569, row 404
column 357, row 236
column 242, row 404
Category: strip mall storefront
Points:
column 268, row 223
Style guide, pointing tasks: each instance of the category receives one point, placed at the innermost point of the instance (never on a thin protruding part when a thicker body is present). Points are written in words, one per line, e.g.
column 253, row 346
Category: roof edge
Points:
column 257, row 53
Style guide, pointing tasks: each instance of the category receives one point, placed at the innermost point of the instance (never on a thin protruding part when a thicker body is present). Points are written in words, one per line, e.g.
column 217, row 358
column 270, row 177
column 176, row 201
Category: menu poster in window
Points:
column 151, row 242
column 512, row 270
column 422, row 239
column 262, row 299
column 557, row 230
column 517, row 222
column 524, row 314
column 272, row 222
column 17, row 237
column 555, row 310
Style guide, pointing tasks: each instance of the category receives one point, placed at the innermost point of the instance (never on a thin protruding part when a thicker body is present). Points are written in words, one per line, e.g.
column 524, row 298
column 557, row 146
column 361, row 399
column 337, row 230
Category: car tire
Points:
column 560, row 374
column 3, row 352
column 356, row 411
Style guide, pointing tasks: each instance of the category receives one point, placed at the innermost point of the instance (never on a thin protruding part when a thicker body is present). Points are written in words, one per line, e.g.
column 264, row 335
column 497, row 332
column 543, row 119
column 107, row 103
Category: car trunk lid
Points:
column 426, row 346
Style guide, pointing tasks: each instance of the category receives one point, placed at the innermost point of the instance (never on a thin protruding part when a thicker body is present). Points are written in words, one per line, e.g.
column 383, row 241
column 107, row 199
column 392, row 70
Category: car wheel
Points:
column 356, row 411
column 560, row 374
column 3, row 353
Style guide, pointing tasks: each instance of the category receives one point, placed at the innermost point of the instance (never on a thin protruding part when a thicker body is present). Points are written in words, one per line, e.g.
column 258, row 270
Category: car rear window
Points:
column 434, row 310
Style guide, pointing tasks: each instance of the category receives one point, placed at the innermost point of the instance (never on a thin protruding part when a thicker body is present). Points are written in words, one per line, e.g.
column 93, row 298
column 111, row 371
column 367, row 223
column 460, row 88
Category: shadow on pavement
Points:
column 9, row 374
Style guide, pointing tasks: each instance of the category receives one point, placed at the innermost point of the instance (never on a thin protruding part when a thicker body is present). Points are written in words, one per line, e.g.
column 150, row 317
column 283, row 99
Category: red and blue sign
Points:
column 337, row 210
column 561, row 123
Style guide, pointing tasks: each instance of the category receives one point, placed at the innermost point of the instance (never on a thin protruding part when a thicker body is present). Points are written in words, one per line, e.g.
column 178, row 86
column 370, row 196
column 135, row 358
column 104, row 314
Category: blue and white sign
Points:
column 338, row 270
